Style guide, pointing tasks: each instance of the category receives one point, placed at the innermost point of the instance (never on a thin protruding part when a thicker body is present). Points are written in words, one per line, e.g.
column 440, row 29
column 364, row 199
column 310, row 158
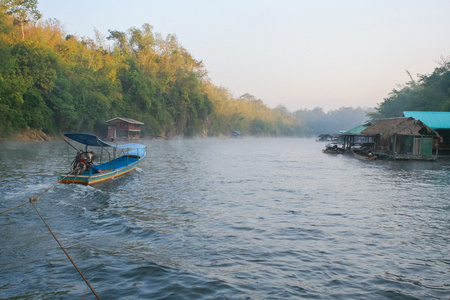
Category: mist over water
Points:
column 227, row 218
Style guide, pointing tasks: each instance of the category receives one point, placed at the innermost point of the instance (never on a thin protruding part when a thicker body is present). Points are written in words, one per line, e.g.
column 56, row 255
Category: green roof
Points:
column 357, row 129
column 433, row 119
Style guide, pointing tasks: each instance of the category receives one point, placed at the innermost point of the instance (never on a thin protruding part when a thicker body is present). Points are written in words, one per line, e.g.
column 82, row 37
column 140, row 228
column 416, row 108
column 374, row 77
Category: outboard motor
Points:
column 84, row 160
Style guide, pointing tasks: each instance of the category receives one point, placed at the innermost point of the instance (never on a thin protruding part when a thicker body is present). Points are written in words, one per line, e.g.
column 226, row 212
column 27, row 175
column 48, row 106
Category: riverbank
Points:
column 31, row 135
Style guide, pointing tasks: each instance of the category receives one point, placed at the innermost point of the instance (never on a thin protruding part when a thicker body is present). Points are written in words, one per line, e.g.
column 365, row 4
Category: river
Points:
column 252, row 218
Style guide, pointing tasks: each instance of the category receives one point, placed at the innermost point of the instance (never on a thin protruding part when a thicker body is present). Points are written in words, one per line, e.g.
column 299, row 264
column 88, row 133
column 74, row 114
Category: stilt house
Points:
column 124, row 128
column 403, row 138
column 440, row 122
column 354, row 137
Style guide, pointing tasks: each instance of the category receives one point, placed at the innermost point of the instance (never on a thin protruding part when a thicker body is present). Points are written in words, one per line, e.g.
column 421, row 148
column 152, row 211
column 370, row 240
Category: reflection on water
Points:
column 233, row 218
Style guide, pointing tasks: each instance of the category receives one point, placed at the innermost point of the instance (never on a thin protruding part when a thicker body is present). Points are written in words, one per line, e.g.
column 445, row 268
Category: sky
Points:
column 300, row 54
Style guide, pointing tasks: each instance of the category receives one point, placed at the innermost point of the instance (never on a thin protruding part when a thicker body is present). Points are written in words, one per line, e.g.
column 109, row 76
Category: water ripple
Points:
column 228, row 219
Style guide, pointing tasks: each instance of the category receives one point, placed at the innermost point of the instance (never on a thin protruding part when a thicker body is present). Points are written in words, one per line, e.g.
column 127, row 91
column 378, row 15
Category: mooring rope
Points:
column 78, row 169
column 14, row 207
column 34, row 199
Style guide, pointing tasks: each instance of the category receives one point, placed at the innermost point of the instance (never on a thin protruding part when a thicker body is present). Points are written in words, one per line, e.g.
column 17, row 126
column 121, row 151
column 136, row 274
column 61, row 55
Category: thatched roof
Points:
column 405, row 126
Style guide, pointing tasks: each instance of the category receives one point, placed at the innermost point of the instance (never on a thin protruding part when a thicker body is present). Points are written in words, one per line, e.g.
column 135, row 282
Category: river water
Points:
column 226, row 219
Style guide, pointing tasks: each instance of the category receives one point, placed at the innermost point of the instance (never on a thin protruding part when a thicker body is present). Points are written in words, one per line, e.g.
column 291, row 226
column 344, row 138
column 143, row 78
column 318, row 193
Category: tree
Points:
column 23, row 11
column 58, row 82
column 430, row 93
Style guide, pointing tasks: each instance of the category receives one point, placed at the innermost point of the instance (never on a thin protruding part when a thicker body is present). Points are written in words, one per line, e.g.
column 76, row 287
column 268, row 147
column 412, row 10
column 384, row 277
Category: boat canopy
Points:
column 130, row 146
column 93, row 140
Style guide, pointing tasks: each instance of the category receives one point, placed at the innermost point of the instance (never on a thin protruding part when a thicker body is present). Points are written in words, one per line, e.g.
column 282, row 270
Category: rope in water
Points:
column 14, row 207
column 34, row 199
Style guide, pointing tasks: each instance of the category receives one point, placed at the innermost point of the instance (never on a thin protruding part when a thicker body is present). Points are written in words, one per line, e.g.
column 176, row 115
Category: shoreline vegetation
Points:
column 34, row 135
column 29, row 135
column 53, row 82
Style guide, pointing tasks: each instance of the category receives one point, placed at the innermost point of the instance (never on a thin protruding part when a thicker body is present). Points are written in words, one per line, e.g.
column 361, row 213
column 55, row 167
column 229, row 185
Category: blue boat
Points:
column 87, row 168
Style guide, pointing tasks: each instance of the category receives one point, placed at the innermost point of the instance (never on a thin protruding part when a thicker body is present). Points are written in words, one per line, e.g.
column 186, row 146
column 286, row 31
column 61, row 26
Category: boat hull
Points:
column 362, row 156
column 89, row 179
column 95, row 173
column 332, row 151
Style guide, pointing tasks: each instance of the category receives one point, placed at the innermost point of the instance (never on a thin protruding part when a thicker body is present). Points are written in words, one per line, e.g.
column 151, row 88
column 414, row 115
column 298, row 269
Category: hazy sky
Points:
column 302, row 54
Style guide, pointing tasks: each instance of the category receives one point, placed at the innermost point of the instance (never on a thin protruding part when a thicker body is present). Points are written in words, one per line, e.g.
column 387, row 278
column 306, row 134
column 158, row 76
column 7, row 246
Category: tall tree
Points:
column 57, row 82
column 23, row 11
column 430, row 93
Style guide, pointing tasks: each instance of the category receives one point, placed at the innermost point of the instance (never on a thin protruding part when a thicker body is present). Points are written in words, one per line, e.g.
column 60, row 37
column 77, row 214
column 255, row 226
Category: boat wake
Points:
column 81, row 196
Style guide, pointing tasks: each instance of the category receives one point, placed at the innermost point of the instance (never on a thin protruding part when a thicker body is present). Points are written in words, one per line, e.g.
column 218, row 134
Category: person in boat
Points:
column 84, row 160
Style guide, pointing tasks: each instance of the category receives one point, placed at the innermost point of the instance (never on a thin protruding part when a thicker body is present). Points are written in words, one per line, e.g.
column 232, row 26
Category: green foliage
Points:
column 6, row 121
column 59, row 83
column 35, row 112
column 261, row 128
column 430, row 93
column 22, row 11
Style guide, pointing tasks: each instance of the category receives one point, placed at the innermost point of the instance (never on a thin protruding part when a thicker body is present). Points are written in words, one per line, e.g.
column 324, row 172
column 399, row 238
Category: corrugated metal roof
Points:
column 433, row 119
column 357, row 129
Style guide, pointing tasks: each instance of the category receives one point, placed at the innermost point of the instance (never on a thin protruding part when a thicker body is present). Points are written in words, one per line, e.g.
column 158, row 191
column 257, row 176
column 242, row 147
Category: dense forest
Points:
column 57, row 82
column 430, row 92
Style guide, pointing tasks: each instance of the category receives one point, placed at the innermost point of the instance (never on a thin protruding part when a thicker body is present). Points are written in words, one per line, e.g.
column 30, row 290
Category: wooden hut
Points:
column 124, row 128
column 402, row 138
column 354, row 138
column 440, row 122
